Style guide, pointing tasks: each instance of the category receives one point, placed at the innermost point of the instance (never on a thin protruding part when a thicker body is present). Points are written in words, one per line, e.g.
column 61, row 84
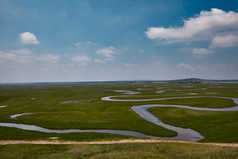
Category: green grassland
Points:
column 135, row 150
column 44, row 100
column 214, row 126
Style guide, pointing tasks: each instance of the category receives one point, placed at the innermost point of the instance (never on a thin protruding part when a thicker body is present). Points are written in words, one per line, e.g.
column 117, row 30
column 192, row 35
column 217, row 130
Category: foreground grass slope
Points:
column 89, row 112
column 135, row 150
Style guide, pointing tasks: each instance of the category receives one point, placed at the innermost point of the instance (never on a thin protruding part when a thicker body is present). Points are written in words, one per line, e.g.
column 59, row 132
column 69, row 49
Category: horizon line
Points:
column 108, row 81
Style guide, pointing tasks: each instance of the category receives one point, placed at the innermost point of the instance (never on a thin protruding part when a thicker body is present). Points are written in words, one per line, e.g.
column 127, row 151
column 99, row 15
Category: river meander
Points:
column 182, row 133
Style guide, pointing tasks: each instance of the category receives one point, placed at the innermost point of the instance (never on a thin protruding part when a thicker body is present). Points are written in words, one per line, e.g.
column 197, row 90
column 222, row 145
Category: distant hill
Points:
column 198, row 80
column 187, row 80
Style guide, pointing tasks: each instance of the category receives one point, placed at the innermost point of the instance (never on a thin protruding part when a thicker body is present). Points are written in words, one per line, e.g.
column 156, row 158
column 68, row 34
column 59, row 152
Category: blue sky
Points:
column 104, row 40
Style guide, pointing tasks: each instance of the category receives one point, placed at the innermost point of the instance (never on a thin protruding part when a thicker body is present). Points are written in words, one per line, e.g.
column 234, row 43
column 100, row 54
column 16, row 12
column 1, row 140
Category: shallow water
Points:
column 41, row 129
column 211, row 92
column 160, row 91
column 68, row 102
column 193, row 93
column 126, row 92
column 17, row 115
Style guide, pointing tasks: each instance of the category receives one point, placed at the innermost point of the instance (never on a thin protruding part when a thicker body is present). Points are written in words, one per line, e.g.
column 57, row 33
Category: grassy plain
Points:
column 91, row 113
column 135, row 150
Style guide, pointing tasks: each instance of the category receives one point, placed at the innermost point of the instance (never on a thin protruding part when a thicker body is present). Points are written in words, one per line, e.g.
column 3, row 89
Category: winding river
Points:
column 182, row 133
column 141, row 110
column 3, row 106
column 17, row 115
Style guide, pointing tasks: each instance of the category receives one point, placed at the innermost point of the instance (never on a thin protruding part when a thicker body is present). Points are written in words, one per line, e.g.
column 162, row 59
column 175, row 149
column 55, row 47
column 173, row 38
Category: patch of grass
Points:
column 205, row 102
column 214, row 126
column 134, row 150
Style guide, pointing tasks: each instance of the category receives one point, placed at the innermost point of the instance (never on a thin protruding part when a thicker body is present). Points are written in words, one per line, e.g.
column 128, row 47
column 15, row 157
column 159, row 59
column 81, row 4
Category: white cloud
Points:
column 206, row 23
column 184, row 66
column 201, row 51
column 86, row 44
column 7, row 56
column 48, row 57
column 82, row 60
column 21, row 52
column 129, row 65
column 79, row 58
column 224, row 41
column 15, row 55
column 99, row 61
column 28, row 38
column 26, row 56
column 77, row 44
column 107, row 52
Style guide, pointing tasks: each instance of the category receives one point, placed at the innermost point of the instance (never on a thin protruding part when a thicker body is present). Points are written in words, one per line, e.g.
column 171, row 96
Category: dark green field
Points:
column 91, row 113
column 135, row 150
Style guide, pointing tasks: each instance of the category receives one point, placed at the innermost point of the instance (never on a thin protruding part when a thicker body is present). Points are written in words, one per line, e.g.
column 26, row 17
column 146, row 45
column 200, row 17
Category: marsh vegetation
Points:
column 53, row 109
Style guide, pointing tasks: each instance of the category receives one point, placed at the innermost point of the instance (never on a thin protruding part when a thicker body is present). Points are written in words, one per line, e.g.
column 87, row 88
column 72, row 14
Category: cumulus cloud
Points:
column 15, row 55
column 184, row 66
column 26, row 56
column 107, row 52
column 201, row 51
column 206, row 23
column 224, row 41
column 99, row 61
column 21, row 52
column 28, row 38
column 83, row 60
column 48, row 57
column 7, row 56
